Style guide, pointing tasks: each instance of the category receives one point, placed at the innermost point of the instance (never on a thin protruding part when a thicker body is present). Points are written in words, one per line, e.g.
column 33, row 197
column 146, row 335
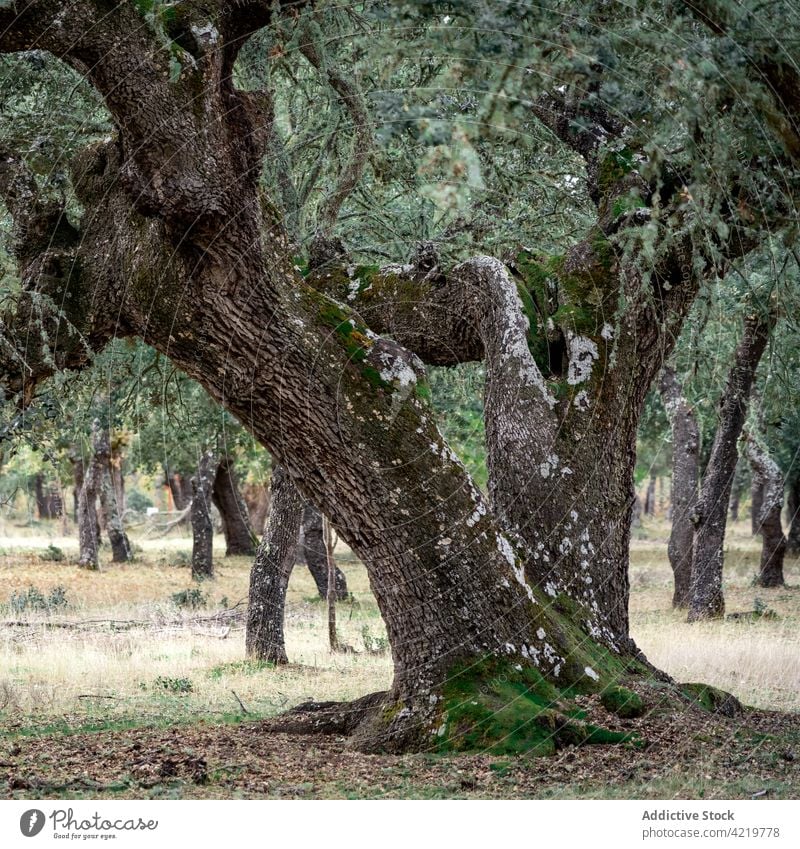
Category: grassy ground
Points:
column 136, row 665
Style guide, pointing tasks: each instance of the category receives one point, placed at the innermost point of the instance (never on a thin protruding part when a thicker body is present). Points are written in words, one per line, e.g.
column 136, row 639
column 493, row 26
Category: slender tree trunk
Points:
column 315, row 554
column 707, row 599
column 773, row 542
column 333, row 636
column 77, row 480
column 756, row 502
column 88, row 526
column 650, row 497
column 202, row 527
column 225, row 493
column 117, row 475
column 269, row 578
column 793, row 540
column 685, row 448
column 109, row 506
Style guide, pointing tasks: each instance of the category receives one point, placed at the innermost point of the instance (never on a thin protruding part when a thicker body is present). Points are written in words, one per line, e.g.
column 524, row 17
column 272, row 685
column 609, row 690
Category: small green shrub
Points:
column 174, row 685
column 373, row 643
column 33, row 599
column 52, row 554
column 138, row 501
column 191, row 599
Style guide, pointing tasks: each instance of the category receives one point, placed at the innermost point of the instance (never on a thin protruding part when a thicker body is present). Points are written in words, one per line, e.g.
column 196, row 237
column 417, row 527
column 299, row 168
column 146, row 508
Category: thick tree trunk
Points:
column 269, row 578
column 225, row 493
column 707, row 599
column 202, row 527
column 773, row 542
column 315, row 555
column 756, row 503
column 793, row 540
column 88, row 525
column 109, row 505
column 685, row 448
column 183, row 251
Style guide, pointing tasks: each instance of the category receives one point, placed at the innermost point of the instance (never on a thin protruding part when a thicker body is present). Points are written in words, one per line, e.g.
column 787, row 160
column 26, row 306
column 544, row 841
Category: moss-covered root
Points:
column 712, row 699
column 491, row 706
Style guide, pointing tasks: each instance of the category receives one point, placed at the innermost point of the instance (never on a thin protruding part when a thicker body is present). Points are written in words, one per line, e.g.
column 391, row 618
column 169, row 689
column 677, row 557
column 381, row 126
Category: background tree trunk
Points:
column 225, row 493
column 269, row 578
column 109, row 506
column 330, row 543
column 256, row 497
column 42, row 501
column 707, row 599
column 685, row 448
column 650, row 497
column 793, row 539
column 202, row 527
column 88, row 526
column 315, row 553
column 756, row 501
column 773, row 542
column 738, row 487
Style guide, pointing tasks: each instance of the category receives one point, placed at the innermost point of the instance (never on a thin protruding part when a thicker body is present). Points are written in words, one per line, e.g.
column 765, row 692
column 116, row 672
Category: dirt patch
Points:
column 686, row 754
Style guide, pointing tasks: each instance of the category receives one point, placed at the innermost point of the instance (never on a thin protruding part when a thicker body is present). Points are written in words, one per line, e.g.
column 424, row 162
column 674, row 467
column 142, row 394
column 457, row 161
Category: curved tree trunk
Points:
column 228, row 500
column 707, row 599
column 315, row 554
column 202, row 527
column 685, row 448
column 184, row 252
column 269, row 578
column 109, row 506
column 773, row 542
column 793, row 539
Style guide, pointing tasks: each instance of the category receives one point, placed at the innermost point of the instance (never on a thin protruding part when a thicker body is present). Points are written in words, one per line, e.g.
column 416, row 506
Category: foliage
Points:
column 192, row 598
column 34, row 600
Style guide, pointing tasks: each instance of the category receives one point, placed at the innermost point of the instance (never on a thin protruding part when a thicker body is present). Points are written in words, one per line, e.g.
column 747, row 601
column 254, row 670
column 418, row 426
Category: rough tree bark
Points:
column 685, row 447
column 202, row 526
column 178, row 246
column 269, row 577
column 109, row 505
column 227, row 497
column 707, row 599
column 773, row 541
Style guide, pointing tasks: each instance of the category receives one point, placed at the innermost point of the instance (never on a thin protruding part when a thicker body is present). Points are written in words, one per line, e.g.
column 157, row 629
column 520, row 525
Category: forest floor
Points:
column 116, row 689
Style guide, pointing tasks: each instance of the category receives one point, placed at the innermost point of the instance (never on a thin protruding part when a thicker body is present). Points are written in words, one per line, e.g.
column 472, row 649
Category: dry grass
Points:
column 49, row 676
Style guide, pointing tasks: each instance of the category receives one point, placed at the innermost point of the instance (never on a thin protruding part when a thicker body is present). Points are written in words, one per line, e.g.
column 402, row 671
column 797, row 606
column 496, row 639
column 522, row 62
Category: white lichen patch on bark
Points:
column 582, row 356
column 515, row 324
